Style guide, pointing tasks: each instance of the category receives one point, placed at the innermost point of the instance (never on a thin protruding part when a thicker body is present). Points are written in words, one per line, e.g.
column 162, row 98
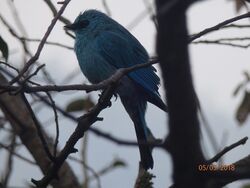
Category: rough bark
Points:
column 21, row 121
column 183, row 142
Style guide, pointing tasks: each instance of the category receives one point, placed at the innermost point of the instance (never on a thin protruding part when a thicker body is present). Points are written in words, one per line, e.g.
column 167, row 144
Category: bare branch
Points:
column 102, row 85
column 242, row 171
column 23, row 42
column 227, row 149
column 17, row 18
column 56, row 121
column 95, row 174
column 225, row 174
column 109, row 167
column 219, row 42
column 84, row 123
column 142, row 15
column 184, row 127
column 39, row 128
column 18, row 155
column 14, row 34
column 151, row 12
column 42, row 43
column 84, row 158
column 218, row 26
column 48, row 42
column 9, row 164
column 106, row 7
column 19, row 116
column 10, row 66
column 54, row 11
column 236, row 26
column 73, row 118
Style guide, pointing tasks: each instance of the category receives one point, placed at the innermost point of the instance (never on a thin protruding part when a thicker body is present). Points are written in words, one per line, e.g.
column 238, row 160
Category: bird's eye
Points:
column 83, row 24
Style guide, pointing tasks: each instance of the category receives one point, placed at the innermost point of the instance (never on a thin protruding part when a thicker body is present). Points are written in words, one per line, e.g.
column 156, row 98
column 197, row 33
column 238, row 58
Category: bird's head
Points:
column 89, row 21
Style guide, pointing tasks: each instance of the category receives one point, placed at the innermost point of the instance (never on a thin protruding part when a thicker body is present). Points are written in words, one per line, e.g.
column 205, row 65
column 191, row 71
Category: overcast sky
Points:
column 216, row 71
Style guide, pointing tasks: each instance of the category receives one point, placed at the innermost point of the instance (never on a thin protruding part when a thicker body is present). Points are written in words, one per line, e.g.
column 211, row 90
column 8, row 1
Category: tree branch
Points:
column 184, row 131
column 218, row 26
column 219, row 42
column 54, row 12
column 42, row 43
column 18, row 155
column 88, row 88
column 48, row 42
column 19, row 117
column 227, row 149
column 84, row 123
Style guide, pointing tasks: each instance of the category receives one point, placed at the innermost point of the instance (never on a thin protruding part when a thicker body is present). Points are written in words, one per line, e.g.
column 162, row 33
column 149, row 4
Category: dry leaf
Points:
column 243, row 109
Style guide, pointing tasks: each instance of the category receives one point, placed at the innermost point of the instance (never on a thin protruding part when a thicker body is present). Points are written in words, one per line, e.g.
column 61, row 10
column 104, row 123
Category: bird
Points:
column 102, row 46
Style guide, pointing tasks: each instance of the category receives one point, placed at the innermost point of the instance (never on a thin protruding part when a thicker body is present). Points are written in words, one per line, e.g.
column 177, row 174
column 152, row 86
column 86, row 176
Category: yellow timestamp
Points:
column 215, row 167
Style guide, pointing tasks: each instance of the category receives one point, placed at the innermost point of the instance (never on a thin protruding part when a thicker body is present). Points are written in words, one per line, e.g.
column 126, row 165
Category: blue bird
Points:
column 102, row 46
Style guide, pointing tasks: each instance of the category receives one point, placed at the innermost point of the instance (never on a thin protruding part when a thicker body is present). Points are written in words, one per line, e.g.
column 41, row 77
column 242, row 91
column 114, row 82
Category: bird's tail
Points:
column 136, row 108
column 145, row 150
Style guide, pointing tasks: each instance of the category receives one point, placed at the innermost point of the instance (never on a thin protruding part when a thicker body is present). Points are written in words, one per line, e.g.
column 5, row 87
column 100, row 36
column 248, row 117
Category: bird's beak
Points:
column 71, row 27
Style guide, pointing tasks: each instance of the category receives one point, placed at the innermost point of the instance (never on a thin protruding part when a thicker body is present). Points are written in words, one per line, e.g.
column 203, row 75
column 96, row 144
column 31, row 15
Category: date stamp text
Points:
column 215, row 167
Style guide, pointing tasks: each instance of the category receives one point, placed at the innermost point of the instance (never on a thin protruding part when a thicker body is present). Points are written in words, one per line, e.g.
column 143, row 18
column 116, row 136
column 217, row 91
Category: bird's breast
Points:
column 93, row 65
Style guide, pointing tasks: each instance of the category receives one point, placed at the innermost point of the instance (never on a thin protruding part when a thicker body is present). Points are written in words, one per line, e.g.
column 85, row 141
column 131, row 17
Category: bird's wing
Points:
column 123, row 52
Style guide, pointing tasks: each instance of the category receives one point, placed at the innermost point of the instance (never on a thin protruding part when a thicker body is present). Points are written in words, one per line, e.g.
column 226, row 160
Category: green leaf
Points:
column 4, row 48
column 80, row 104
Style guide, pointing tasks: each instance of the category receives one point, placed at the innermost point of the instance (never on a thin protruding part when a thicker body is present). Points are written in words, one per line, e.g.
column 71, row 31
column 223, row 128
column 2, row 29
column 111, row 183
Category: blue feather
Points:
column 102, row 46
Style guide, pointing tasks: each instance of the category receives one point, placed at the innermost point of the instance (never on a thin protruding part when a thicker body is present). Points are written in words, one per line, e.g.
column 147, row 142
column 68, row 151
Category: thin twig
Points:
column 142, row 15
column 18, row 155
column 10, row 66
column 38, row 128
column 237, row 26
column 107, row 168
column 48, row 42
column 95, row 174
column 106, row 7
column 218, row 42
column 23, row 82
column 33, row 74
column 84, row 158
column 218, row 26
column 84, row 124
column 208, row 129
column 151, row 12
column 56, row 121
column 21, row 28
column 14, row 34
column 17, row 17
column 24, row 45
column 9, row 165
column 54, row 11
column 234, row 39
column 41, row 44
column 227, row 149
